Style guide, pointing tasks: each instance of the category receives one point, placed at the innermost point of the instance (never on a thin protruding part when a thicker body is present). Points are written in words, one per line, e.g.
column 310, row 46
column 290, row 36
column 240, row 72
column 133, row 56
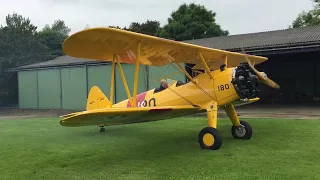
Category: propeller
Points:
column 262, row 76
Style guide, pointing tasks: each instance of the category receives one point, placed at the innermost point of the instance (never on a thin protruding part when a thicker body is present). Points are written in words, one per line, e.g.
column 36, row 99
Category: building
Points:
column 294, row 63
column 64, row 83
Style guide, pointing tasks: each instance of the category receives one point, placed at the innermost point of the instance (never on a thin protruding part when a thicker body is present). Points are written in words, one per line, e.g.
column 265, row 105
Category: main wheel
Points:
column 210, row 138
column 244, row 131
column 102, row 129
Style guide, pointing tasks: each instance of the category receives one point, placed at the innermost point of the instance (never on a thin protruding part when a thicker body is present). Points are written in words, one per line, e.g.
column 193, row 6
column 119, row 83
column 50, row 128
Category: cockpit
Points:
column 165, row 83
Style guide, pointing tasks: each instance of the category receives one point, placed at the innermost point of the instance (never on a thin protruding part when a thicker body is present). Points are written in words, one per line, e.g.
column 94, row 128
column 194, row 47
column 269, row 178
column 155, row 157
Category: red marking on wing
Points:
column 140, row 98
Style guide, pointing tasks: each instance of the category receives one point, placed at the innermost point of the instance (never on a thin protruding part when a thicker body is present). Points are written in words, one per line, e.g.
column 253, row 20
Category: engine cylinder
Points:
column 245, row 81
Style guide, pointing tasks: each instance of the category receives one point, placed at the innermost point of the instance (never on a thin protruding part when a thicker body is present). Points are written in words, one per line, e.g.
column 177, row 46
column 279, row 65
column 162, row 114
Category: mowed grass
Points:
column 43, row 149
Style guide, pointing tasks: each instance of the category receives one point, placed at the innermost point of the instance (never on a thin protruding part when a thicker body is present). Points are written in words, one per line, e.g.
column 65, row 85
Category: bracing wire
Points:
column 171, row 62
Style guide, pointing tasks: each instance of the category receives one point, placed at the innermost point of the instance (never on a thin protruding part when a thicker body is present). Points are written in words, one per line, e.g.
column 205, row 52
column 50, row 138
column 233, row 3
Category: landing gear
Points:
column 240, row 129
column 102, row 129
column 243, row 131
column 210, row 138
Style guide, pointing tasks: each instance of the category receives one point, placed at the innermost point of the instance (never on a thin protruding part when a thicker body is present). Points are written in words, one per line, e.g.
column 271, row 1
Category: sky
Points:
column 236, row 16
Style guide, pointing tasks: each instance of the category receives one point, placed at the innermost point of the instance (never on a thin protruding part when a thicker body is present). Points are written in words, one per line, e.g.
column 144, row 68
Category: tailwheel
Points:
column 102, row 129
column 210, row 138
column 244, row 131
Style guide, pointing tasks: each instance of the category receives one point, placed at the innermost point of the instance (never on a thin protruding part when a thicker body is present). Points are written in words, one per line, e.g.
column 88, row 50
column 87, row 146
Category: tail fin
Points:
column 96, row 99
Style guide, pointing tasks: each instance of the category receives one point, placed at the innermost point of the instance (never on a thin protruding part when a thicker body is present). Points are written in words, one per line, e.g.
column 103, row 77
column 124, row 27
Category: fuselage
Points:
column 236, row 85
column 225, row 87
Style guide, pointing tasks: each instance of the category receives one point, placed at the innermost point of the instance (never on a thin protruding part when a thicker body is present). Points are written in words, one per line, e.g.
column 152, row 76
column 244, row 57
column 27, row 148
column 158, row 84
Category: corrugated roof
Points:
column 278, row 38
column 58, row 62
column 269, row 39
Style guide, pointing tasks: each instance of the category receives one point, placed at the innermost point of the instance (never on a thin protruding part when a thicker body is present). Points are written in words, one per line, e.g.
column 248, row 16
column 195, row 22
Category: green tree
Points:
column 191, row 22
column 308, row 18
column 149, row 27
column 19, row 45
column 58, row 26
column 19, row 42
column 22, row 44
column 52, row 37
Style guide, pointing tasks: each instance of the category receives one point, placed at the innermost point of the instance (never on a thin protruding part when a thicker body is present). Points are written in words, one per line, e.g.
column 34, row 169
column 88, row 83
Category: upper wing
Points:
column 112, row 116
column 102, row 43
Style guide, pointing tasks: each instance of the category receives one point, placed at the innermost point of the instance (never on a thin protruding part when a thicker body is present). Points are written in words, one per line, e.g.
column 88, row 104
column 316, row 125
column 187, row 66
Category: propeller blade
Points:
column 261, row 75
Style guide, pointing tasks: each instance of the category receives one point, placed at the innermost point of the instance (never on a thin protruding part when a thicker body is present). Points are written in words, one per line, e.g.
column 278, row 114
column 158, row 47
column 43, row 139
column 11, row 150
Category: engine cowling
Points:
column 245, row 81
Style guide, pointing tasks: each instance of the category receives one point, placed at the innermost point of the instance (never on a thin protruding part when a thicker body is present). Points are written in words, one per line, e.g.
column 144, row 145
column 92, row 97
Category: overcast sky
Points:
column 237, row 16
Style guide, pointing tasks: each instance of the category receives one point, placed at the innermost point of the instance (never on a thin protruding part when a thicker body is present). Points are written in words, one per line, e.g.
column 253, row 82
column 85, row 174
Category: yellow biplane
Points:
column 225, row 80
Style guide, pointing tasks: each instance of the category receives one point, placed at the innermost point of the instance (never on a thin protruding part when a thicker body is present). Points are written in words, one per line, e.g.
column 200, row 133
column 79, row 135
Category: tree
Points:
column 191, row 22
column 22, row 44
column 53, row 41
column 19, row 45
column 310, row 18
column 58, row 26
column 149, row 27
column 53, row 37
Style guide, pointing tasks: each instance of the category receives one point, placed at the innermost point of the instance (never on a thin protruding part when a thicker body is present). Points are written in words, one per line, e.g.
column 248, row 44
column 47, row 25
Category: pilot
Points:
column 222, row 67
column 163, row 85
column 179, row 83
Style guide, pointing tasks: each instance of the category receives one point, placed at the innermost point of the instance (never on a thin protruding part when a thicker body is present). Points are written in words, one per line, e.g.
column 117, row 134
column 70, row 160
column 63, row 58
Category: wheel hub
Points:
column 240, row 131
column 208, row 139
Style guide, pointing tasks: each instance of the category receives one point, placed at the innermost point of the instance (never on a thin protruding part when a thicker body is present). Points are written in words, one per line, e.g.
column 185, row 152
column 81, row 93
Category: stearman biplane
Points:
column 225, row 80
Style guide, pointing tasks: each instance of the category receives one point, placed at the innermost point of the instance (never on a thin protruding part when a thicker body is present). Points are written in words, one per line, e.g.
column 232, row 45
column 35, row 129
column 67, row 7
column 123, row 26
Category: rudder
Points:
column 97, row 99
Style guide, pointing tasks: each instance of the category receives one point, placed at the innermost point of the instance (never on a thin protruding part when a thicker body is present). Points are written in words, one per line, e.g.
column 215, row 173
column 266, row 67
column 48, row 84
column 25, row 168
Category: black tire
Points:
column 102, row 129
column 217, row 139
column 244, row 132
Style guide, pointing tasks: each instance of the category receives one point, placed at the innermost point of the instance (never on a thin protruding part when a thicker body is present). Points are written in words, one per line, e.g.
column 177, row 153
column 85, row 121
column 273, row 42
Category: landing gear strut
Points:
column 209, row 137
column 240, row 129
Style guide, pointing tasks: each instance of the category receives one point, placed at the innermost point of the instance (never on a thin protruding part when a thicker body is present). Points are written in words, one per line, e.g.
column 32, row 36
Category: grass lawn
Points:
column 42, row 149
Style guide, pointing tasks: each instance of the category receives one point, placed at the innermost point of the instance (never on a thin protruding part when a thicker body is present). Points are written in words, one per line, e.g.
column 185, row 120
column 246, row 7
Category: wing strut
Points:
column 112, row 80
column 133, row 100
column 205, row 65
column 185, row 72
column 124, row 82
column 225, row 58
column 136, row 76
column 192, row 80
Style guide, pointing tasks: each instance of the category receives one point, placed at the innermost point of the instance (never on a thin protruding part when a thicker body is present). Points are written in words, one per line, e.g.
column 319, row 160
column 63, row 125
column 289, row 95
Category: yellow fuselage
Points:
column 219, row 89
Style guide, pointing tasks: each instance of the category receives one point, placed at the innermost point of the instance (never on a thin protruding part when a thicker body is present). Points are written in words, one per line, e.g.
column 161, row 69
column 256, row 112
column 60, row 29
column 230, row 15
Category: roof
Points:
column 60, row 62
column 252, row 42
column 268, row 39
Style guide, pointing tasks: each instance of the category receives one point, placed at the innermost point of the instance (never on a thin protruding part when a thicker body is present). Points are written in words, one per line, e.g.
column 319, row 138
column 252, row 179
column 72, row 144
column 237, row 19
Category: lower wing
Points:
column 114, row 116
column 245, row 102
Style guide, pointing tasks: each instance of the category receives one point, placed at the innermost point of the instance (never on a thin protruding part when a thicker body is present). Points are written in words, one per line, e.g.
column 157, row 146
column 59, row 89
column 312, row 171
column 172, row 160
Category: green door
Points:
column 49, row 87
column 74, row 88
column 28, row 89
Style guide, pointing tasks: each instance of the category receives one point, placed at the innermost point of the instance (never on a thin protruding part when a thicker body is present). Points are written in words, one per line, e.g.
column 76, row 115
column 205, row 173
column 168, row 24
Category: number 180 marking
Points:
column 223, row 87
